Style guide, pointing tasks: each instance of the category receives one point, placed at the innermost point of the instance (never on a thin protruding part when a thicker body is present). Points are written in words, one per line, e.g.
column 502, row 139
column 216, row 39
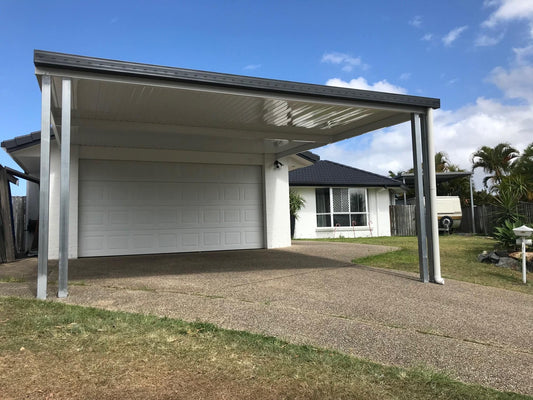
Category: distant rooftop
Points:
column 329, row 173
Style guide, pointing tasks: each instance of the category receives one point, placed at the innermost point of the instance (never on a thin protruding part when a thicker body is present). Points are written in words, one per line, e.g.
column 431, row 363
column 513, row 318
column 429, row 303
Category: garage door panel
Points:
column 142, row 208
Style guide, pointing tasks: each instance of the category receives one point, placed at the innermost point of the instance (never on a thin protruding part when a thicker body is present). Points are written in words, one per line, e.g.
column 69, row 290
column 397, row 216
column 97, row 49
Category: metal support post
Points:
column 431, row 199
column 64, row 202
column 472, row 205
column 428, row 168
column 44, row 194
column 420, row 204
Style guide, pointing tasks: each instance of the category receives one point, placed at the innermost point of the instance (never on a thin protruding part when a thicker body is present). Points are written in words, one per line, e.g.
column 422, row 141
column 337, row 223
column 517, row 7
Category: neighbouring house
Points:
column 138, row 158
column 342, row 201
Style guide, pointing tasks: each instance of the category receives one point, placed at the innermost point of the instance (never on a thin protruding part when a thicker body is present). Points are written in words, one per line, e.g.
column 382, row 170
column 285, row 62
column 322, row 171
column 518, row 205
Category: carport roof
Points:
column 126, row 68
column 208, row 111
column 409, row 178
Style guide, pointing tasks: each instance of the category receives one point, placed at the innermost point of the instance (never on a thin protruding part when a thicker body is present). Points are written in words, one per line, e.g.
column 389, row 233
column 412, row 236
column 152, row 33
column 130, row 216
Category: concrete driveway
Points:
column 311, row 293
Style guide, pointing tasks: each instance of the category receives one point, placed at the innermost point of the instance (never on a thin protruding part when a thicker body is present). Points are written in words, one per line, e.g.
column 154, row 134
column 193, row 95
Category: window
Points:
column 337, row 207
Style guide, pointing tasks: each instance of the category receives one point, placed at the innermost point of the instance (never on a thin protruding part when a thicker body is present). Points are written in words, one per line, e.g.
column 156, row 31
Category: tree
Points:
column 296, row 203
column 497, row 162
column 523, row 173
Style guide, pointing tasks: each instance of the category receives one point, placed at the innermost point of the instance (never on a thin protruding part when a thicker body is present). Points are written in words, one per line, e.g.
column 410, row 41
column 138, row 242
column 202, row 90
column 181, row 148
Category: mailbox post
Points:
column 523, row 232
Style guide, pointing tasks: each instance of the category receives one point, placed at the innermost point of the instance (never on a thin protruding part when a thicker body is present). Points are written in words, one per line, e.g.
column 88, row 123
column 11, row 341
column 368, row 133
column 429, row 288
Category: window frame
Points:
column 331, row 214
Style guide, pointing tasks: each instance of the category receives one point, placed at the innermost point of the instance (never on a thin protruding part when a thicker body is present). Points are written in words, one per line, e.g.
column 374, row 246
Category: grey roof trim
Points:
column 100, row 65
column 309, row 156
column 21, row 142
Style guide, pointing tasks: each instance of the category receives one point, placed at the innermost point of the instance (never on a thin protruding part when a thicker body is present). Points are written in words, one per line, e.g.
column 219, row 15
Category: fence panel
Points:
column 526, row 209
column 19, row 220
column 402, row 220
column 486, row 217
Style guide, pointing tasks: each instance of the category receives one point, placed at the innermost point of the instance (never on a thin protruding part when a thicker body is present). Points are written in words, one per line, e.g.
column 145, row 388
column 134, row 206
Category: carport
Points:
column 237, row 134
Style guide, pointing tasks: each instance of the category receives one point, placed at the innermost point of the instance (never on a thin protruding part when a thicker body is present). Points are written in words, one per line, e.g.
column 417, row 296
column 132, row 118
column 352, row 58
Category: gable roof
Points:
column 329, row 173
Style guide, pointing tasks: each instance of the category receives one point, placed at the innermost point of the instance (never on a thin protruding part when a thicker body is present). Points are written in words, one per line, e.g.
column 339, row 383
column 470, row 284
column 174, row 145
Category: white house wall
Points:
column 378, row 215
column 276, row 204
column 275, row 180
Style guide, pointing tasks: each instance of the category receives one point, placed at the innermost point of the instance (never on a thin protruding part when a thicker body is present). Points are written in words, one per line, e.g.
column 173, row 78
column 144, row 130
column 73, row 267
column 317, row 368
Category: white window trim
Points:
column 332, row 213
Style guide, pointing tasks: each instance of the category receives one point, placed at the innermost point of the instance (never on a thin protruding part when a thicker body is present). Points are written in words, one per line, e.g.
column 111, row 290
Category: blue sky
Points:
column 476, row 56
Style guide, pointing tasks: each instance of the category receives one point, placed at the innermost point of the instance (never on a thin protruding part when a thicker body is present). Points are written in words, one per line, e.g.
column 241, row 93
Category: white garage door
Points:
column 144, row 207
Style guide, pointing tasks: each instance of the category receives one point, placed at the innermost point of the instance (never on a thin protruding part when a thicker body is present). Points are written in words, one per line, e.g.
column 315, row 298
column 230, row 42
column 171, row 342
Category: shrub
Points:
column 504, row 234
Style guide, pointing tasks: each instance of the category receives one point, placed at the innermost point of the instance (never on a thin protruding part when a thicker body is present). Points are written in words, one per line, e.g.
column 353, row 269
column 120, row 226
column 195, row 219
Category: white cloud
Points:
column 484, row 40
column 427, row 37
column 361, row 83
column 453, row 35
column 509, row 10
column 348, row 62
column 516, row 83
column 405, row 76
column 459, row 133
column 251, row 67
column 524, row 55
column 416, row 21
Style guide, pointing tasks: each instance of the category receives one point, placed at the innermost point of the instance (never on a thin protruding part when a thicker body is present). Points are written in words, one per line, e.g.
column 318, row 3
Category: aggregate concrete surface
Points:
column 311, row 293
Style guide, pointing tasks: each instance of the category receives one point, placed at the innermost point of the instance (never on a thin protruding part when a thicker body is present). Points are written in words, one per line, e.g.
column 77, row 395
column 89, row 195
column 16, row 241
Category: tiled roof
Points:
column 328, row 173
column 21, row 142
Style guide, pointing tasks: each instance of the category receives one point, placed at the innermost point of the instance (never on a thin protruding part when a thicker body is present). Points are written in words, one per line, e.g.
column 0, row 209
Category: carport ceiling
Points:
column 117, row 103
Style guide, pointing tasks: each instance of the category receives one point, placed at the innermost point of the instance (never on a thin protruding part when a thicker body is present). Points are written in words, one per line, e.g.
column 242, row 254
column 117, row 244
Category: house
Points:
column 153, row 159
column 342, row 201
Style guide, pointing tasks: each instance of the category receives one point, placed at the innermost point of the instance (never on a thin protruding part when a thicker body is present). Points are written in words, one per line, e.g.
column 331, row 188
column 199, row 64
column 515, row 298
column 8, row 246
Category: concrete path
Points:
column 311, row 293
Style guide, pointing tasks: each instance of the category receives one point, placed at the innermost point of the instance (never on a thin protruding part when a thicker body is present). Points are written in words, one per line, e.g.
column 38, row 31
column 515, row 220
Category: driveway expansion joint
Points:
column 290, row 276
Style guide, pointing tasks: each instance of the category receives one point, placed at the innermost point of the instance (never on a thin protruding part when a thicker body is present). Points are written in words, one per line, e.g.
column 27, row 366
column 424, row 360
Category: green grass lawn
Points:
column 458, row 260
column 50, row 350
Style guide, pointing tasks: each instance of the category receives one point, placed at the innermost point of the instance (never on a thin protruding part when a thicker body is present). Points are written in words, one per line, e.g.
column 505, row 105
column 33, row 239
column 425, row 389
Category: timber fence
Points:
column 402, row 220
column 486, row 217
column 403, row 223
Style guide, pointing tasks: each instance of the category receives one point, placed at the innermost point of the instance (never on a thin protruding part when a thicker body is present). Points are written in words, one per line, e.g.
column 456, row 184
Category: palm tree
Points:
column 524, row 163
column 496, row 162
column 523, row 171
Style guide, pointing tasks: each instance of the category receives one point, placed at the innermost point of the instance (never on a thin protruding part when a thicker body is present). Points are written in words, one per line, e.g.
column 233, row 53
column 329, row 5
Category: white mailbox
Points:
column 523, row 232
